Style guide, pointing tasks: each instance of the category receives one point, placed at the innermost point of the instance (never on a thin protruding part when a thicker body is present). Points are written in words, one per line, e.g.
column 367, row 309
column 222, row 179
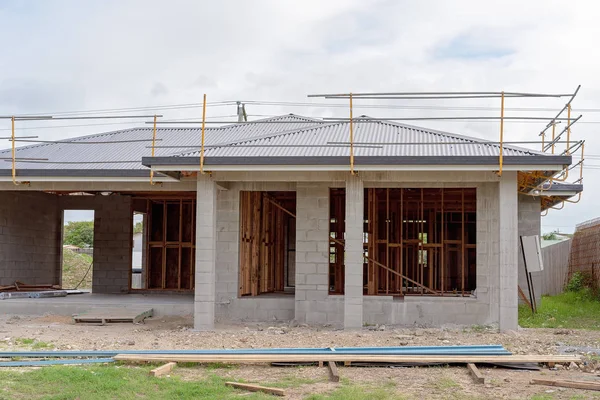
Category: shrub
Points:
column 576, row 283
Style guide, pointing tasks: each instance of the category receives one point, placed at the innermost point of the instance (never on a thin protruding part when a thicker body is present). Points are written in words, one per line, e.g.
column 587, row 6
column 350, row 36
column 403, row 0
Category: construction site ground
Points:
column 59, row 332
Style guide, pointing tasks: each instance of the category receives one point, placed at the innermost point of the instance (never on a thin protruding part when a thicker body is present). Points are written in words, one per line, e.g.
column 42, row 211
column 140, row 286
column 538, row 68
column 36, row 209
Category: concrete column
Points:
column 508, row 249
column 353, row 288
column 312, row 253
column 206, row 243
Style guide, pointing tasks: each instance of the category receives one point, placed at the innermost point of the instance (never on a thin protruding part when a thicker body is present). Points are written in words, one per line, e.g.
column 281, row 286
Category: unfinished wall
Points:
column 312, row 303
column 529, row 224
column 30, row 230
column 113, row 226
column 229, row 306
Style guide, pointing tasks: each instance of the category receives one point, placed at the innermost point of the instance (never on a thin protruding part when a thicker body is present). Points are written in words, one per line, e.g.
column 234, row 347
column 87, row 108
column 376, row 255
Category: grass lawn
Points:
column 115, row 381
column 572, row 310
column 75, row 266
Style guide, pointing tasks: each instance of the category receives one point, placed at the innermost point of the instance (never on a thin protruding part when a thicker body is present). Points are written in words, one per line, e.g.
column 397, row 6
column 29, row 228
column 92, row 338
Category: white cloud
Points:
column 70, row 55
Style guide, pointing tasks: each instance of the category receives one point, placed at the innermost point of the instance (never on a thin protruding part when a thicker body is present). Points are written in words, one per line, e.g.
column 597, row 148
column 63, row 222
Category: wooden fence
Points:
column 556, row 267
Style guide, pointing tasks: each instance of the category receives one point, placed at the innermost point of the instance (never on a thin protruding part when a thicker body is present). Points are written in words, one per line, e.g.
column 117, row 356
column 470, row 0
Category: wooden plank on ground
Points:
column 163, row 369
column 334, row 376
column 346, row 358
column 567, row 384
column 256, row 388
column 114, row 314
column 477, row 376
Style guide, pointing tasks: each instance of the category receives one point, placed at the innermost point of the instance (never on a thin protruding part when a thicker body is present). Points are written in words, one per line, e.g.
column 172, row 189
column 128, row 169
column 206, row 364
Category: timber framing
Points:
column 417, row 241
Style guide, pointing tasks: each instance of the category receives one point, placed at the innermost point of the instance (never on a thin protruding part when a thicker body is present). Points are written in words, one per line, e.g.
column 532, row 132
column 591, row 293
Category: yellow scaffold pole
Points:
column 501, row 132
column 153, row 148
column 351, row 139
column 202, row 140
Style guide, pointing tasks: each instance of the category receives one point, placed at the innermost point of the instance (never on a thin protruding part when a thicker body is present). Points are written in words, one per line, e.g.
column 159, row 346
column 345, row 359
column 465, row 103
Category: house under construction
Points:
column 285, row 218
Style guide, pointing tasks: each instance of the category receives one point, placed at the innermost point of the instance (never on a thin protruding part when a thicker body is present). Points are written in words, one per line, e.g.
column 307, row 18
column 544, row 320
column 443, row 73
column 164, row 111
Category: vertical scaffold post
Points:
column 14, row 151
column 569, row 128
column 501, row 132
column 351, row 138
column 543, row 140
column 153, row 148
column 202, row 141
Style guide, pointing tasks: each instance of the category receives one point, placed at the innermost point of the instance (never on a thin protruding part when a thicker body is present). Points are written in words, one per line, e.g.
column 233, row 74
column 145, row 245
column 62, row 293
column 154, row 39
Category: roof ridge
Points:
column 266, row 136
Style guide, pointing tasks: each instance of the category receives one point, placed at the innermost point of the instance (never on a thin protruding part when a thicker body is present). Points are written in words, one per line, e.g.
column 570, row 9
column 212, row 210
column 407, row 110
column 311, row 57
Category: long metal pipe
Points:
column 429, row 350
column 56, row 362
column 512, row 94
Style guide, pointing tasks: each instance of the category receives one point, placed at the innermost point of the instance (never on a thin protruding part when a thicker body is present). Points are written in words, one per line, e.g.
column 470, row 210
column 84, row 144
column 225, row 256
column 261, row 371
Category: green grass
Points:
column 110, row 382
column 75, row 266
column 572, row 310
column 34, row 344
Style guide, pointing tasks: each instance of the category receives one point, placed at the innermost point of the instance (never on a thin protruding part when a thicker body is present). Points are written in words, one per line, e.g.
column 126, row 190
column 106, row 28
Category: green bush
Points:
column 576, row 283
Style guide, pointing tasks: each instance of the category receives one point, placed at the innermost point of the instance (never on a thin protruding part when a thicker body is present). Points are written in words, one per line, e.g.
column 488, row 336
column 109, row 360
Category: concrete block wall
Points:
column 354, row 256
column 530, row 221
column 508, row 242
column 30, row 230
column 312, row 303
column 206, row 258
column 113, row 230
column 312, row 256
column 229, row 306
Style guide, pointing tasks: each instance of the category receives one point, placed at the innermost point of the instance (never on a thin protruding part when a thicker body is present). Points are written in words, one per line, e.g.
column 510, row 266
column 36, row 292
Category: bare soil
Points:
column 423, row 382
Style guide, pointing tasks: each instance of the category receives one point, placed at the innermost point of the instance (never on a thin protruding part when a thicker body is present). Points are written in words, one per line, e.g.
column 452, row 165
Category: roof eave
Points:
column 510, row 163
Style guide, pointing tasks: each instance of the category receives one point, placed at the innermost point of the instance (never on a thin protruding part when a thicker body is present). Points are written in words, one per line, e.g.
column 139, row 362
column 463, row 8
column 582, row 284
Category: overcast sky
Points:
column 82, row 55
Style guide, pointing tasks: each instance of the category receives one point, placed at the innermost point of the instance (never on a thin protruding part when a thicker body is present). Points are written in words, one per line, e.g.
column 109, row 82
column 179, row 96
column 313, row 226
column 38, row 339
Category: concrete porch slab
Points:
column 162, row 304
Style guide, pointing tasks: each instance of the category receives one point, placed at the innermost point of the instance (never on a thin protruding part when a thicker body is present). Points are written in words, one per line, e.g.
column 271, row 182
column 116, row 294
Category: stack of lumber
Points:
column 415, row 354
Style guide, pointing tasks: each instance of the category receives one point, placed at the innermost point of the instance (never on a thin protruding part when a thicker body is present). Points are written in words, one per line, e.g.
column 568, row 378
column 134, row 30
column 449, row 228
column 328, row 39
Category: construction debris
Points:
column 33, row 295
column 163, row 369
column 256, row 388
column 346, row 358
column 114, row 314
column 567, row 384
column 477, row 376
column 334, row 376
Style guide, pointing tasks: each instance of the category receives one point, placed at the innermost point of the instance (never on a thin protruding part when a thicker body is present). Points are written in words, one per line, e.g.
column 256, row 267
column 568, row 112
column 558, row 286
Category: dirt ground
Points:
column 424, row 382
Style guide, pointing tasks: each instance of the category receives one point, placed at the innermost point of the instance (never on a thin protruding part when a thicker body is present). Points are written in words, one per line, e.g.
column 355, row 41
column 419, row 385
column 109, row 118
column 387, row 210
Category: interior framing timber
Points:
column 417, row 241
column 265, row 218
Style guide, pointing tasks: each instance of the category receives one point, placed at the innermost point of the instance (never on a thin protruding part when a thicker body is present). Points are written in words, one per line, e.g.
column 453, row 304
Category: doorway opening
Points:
column 77, row 257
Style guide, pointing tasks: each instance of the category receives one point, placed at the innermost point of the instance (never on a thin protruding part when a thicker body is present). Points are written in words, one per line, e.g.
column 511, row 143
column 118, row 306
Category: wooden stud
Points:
column 475, row 373
column 567, row 384
column 334, row 376
column 256, row 388
column 163, row 369
column 347, row 358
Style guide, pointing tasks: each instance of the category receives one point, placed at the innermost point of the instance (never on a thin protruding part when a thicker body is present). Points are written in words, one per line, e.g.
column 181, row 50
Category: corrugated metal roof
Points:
column 113, row 155
column 313, row 142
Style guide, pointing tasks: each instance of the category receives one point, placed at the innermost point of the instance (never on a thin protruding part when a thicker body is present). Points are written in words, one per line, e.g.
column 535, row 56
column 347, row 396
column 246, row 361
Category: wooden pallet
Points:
column 116, row 314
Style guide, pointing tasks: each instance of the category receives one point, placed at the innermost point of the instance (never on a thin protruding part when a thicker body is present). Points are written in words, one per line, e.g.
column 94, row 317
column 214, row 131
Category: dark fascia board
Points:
column 362, row 160
column 87, row 173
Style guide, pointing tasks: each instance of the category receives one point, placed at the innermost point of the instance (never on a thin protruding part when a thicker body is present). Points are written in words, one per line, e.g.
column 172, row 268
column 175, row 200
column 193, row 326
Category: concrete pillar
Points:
column 206, row 243
column 508, row 251
column 353, row 288
column 312, row 253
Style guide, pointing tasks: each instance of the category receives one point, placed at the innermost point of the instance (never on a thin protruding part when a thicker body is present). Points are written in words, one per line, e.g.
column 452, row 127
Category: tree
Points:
column 79, row 233
column 550, row 236
column 138, row 227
